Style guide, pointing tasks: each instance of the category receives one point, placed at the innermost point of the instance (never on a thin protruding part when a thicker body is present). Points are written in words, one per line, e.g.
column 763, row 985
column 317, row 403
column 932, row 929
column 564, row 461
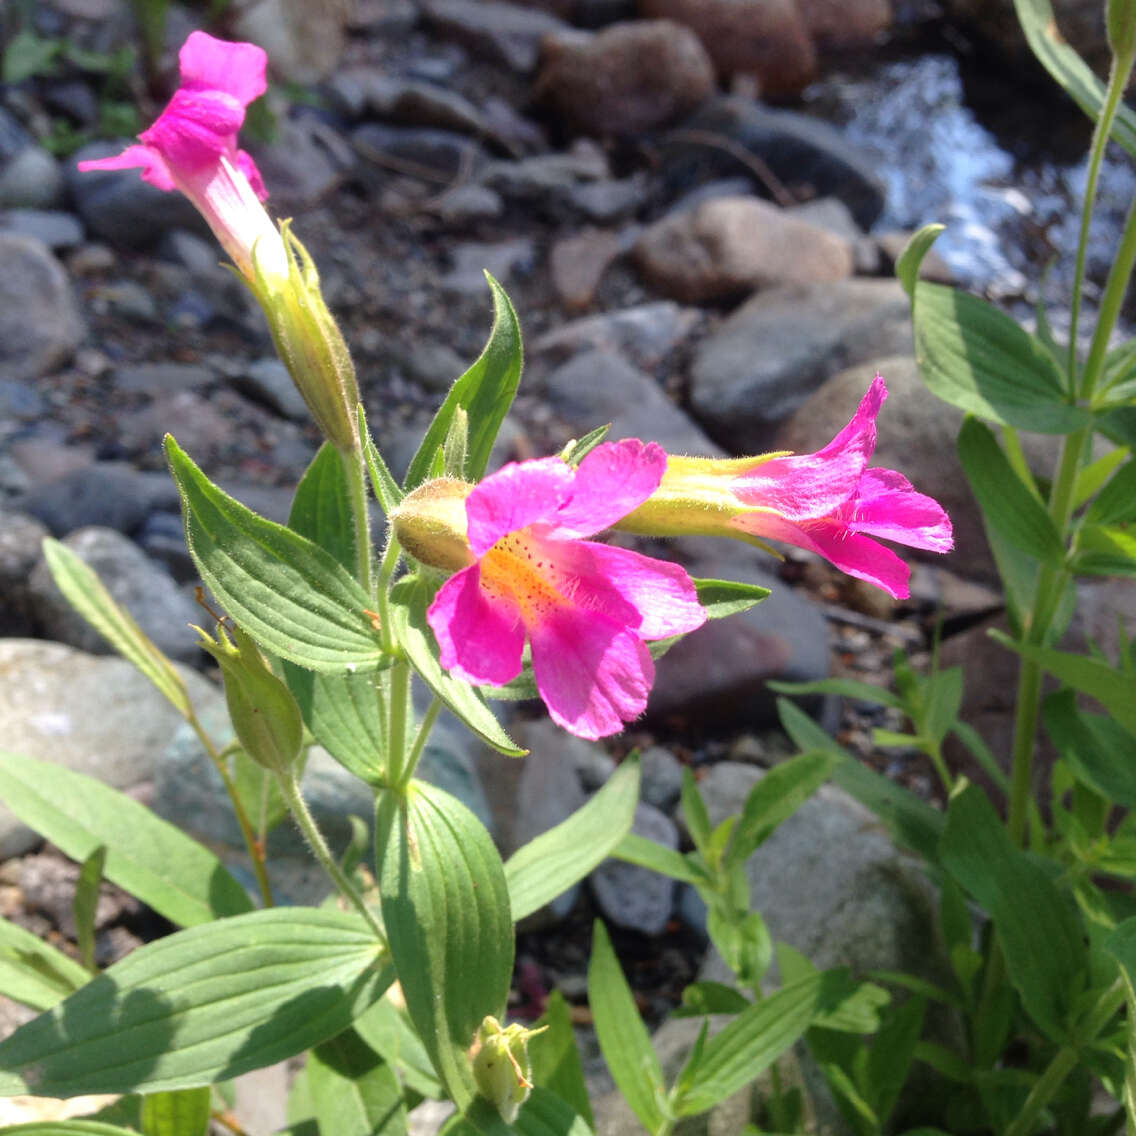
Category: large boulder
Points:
column 625, row 80
column 765, row 39
column 304, row 41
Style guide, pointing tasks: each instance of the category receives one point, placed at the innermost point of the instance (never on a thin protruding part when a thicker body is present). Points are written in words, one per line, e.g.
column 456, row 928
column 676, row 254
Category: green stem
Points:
column 1117, row 82
column 387, row 567
column 298, row 807
column 255, row 847
column 360, row 514
column 420, row 740
column 396, row 721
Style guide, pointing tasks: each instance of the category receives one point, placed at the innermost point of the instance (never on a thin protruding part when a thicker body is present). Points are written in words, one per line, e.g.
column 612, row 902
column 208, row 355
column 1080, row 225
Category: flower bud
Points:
column 501, row 1065
column 431, row 524
column 264, row 713
column 307, row 338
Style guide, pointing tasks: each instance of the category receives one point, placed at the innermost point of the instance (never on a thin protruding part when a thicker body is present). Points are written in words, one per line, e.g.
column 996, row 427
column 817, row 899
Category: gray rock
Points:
column 716, row 676
column 118, row 206
column 830, row 214
column 662, row 777
column 40, row 325
column 162, row 378
column 108, row 494
column 466, row 203
column 634, row 897
column 598, row 386
column 201, row 426
column 809, row 157
column 20, row 401
column 645, row 335
column 443, row 153
column 268, row 381
column 21, row 538
column 830, row 883
column 144, row 588
column 162, row 538
column 448, row 762
column 764, row 361
column 434, row 364
column 305, row 162
column 474, row 258
column 30, row 179
column 610, row 200
column 56, row 229
column 95, row 715
column 304, row 41
column 504, row 33
column 548, row 183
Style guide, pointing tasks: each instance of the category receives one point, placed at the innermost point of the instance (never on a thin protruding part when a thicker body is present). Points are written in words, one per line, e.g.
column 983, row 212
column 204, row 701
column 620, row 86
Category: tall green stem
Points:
column 1114, row 291
column 396, row 720
column 420, row 740
column 298, row 807
column 360, row 515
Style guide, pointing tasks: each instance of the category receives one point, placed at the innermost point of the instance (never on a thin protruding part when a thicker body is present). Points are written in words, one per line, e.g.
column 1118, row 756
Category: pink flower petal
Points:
column 481, row 639
column 196, row 129
column 209, row 64
column 812, row 485
column 660, row 595
column 613, row 479
column 517, row 495
column 888, row 506
column 249, row 168
column 592, row 674
column 154, row 169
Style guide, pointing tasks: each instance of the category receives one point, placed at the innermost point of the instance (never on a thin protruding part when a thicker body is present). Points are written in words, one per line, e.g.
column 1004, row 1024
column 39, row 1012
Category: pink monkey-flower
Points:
column 527, row 573
column 828, row 502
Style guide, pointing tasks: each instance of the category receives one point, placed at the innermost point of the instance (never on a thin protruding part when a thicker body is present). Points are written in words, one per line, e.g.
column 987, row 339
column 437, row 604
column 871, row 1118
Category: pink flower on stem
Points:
column 193, row 148
column 585, row 608
column 828, row 502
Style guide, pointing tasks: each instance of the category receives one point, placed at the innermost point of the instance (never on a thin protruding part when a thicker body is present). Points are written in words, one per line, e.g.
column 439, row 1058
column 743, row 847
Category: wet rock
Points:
column 731, row 246
column 503, row 33
column 144, row 588
column 634, row 897
column 843, row 24
column 578, row 263
column 94, row 714
column 304, row 41
column 107, row 494
column 628, row 79
column 21, row 538
column 118, row 206
column 442, row 153
column 30, row 178
column 501, row 259
column 54, row 228
column 809, row 158
column 765, row 39
column 267, row 381
column 162, row 378
column 763, row 361
column 645, row 334
column 40, row 325
column 597, row 386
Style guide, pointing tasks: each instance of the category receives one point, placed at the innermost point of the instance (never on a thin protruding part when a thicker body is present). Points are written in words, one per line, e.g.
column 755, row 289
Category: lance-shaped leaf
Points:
column 67, row 1128
column 150, row 858
column 543, row 1114
column 203, row 1005
column 182, row 1112
column 446, row 912
column 293, row 597
column 910, row 260
column 545, row 867
column 555, row 1057
column 354, row 1091
column 485, row 392
column 1097, row 749
column 34, row 972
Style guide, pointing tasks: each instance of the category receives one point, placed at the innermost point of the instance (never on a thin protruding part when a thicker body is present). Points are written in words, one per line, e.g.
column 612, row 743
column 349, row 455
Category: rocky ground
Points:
column 693, row 258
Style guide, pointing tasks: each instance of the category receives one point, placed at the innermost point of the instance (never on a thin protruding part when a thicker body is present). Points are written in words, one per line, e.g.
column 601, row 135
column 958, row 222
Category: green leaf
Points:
column 150, row 858
column 1097, row 749
column 631, row 1059
column 577, row 450
column 555, row 1057
column 1038, row 929
column 294, row 598
column 321, row 508
column 1115, row 690
column 909, row 261
column 648, row 854
column 67, row 1128
column 87, row 594
column 28, row 55
column 721, row 598
column 701, row 998
column 1116, row 502
column 891, row 1054
column 775, row 798
column 446, row 911
column 410, row 598
column 485, row 392
column 543, row 1114
column 34, row 972
column 386, row 1030
column 942, row 698
column 977, row 358
column 258, row 791
column 1105, row 550
column 85, row 904
column 547, row 866
column 757, row 1037
column 1007, row 505
column 845, row 688
column 183, row 1112
column 1096, row 478
column 694, row 812
column 387, row 491
column 202, row 1005
column 354, row 1091
column 1069, row 69
column 912, row 822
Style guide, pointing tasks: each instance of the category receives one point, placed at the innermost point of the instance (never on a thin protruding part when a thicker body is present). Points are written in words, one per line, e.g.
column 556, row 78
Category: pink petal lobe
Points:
column 481, row 641
column 517, row 495
column 195, row 129
column 154, row 169
column 249, row 168
column 659, row 595
column 238, row 69
column 888, row 506
column 592, row 674
column 611, row 481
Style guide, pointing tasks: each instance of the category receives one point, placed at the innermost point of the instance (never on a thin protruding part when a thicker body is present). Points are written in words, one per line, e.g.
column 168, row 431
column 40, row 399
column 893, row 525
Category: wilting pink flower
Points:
column 585, row 608
column 193, row 148
column 828, row 502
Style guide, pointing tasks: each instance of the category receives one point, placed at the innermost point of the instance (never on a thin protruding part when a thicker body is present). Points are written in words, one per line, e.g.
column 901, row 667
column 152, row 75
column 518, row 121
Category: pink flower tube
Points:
column 193, row 148
column 586, row 609
column 828, row 502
